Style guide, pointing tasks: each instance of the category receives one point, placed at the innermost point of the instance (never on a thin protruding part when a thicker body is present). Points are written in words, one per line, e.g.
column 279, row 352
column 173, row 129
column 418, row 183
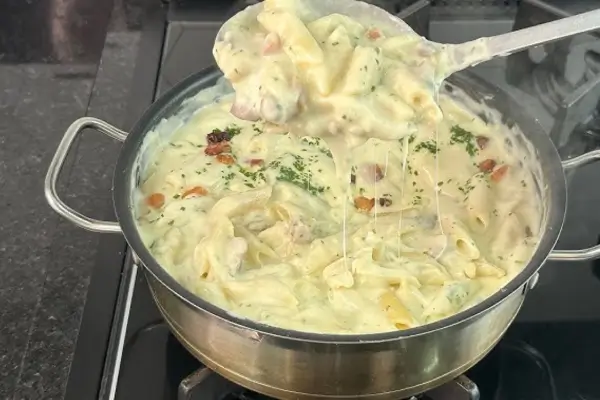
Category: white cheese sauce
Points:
column 337, row 191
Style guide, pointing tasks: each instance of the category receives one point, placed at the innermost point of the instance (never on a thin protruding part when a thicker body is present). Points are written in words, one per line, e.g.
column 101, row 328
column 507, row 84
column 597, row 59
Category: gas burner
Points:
column 204, row 384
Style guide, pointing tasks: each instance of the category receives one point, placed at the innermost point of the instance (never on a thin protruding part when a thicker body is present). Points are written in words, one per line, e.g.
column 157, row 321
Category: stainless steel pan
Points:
column 290, row 364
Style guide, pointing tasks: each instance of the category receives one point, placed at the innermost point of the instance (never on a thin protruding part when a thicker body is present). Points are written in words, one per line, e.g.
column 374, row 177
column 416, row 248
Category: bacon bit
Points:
column 364, row 204
column 195, row 191
column 482, row 142
column 487, row 165
column 256, row 161
column 217, row 148
column 271, row 44
column 373, row 33
column 217, row 136
column 499, row 173
column 385, row 201
column 156, row 200
column 226, row 159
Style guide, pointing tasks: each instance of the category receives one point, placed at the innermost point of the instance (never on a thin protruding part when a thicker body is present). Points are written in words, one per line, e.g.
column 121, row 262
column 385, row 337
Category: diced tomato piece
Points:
column 226, row 159
column 363, row 203
column 217, row 148
column 156, row 200
column 195, row 191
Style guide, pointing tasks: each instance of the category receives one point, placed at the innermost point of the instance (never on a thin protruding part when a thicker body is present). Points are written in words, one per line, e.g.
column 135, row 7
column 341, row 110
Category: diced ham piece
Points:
column 217, row 148
column 300, row 232
column 373, row 33
column 499, row 173
column 370, row 173
column 236, row 250
column 271, row 44
column 487, row 165
column 244, row 110
column 482, row 142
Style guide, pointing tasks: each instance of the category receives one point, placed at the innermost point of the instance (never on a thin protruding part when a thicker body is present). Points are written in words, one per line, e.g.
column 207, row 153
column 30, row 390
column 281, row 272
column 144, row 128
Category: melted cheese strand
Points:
column 249, row 218
column 405, row 144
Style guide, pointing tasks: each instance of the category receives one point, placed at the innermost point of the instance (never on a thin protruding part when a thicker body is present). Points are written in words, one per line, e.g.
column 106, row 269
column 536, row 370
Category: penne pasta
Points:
column 338, row 190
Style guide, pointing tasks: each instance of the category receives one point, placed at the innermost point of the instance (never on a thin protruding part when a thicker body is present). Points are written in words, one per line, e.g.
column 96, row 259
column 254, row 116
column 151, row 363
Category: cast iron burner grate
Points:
column 205, row 384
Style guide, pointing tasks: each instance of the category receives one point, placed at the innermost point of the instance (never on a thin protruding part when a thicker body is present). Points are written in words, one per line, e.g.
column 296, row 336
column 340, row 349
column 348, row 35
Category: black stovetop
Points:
column 125, row 351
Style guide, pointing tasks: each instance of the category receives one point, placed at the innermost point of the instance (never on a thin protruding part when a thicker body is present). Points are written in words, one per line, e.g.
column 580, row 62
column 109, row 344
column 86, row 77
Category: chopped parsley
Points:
column 228, row 177
column 254, row 176
column 462, row 136
column 297, row 174
column 302, row 180
column 470, row 185
column 233, row 130
column 429, row 145
column 317, row 142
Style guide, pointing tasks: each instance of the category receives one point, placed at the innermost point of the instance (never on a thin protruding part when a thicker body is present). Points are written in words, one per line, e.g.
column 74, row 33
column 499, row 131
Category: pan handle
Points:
column 591, row 253
column 56, row 167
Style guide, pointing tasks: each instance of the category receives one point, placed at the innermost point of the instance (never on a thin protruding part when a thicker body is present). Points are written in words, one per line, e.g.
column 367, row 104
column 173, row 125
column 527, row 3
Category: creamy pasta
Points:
column 330, row 75
column 431, row 213
column 251, row 220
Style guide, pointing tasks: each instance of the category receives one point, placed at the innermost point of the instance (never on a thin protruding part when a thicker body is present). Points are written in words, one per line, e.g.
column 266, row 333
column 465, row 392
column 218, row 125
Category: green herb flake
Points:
column 429, row 145
column 233, row 130
column 462, row 136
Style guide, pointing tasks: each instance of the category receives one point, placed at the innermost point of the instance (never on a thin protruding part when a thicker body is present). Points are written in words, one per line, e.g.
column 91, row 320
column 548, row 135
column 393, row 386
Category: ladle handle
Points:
column 511, row 42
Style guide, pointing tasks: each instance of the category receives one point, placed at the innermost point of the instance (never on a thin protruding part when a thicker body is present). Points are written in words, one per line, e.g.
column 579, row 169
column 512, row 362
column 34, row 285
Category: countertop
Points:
column 59, row 60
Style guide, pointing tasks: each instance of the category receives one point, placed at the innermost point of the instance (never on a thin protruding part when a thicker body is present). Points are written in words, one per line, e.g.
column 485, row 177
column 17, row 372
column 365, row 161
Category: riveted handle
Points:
column 591, row 253
column 57, row 164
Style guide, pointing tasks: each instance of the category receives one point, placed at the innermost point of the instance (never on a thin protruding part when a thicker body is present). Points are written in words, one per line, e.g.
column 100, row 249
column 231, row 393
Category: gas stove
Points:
column 125, row 350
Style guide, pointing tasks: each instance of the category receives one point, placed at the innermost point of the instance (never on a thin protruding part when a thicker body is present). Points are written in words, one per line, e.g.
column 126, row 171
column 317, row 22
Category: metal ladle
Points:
column 495, row 46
